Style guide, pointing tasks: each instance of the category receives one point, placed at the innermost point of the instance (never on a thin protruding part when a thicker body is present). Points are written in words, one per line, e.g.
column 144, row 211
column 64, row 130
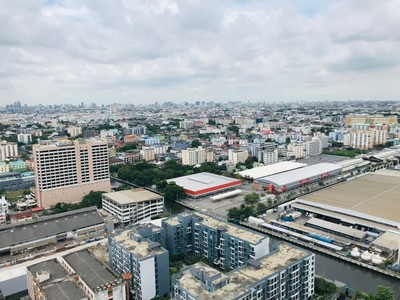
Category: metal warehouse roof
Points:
column 15, row 234
column 336, row 228
column 271, row 169
column 132, row 196
column 202, row 181
column 300, row 174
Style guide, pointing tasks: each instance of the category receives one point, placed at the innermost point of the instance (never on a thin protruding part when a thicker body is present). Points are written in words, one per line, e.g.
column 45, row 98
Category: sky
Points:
column 145, row 51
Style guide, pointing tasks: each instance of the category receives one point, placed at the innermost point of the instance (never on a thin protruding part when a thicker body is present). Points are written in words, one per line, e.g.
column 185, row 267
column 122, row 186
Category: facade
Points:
column 287, row 273
column 148, row 153
column 186, row 125
column 17, row 165
column 4, row 167
column 16, row 181
column 193, row 156
column 74, row 131
column 75, row 276
column 229, row 246
column 237, row 157
column 8, row 150
column 297, row 150
column 268, row 157
column 3, row 210
column 25, row 138
column 367, row 138
column 373, row 119
column 133, row 206
column 314, row 147
column 65, row 172
column 205, row 184
column 297, row 178
column 146, row 261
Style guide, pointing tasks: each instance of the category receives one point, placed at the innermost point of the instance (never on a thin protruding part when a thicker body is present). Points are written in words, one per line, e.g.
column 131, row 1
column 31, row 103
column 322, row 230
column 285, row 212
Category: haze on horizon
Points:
column 146, row 51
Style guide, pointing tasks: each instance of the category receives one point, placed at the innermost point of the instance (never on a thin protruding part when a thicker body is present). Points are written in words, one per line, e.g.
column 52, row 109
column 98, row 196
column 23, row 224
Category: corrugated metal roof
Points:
column 271, row 169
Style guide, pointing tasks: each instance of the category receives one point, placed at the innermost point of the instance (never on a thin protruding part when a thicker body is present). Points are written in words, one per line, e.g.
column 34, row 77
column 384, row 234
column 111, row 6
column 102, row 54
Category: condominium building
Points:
column 368, row 138
column 133, row 206
column 313, row 147
column 237, row 157
column 8, row 150
column 228, row 245
column 287, row 273
column 148, row 153
column 73, row 131
column 193, row 156
column 25, row 138
column 268, row 157
column 146, row 261
column 78, row 275
column 67, row 171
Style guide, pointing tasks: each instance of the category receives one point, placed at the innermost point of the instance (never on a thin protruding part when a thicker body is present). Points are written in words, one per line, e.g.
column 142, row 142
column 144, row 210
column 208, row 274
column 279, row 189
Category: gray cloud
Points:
column 142, row 51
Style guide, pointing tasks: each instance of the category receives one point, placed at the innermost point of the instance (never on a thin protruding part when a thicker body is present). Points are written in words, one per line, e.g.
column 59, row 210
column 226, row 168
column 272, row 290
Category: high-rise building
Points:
column 369, row 137
column 287, row 273
column 25, row 138
column 228, row 245
column 147, row 261
column 193, row 156
column 8, row 150
column 268, row 157
column 237, row 156
column 67, row 171
column 369, row 119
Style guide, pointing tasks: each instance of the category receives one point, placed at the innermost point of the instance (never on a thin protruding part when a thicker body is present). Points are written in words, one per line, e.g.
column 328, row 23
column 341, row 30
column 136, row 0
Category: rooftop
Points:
column 241, row 279
column 372, row 194
column 132, row 196
column 89, row 268
column 271, row 169
column 140, row 247
column 236, row 231
column 302, row 173
column 48, row 226
column 202, row 181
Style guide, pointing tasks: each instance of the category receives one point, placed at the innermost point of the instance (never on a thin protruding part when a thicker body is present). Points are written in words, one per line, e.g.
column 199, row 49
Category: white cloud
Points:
column 143, row 51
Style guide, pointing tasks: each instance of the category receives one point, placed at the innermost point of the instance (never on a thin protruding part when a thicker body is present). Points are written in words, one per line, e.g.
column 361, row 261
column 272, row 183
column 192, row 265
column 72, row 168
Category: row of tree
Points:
column 91, row 199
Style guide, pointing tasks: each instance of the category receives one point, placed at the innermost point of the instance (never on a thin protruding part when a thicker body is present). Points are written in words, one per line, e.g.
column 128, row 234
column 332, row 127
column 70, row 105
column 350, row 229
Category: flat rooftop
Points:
column 89, row 268
column 372, row 194
column 141, row 248
column 203, row 181
column 271, row 169
column 241, row 280
column 288, row 177
column 236, row 231
column 132, row 196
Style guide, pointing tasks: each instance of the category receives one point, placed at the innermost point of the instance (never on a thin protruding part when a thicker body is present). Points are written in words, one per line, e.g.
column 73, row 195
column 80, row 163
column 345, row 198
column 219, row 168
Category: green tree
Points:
column 173, row 192
column 195, row 144
column 251, row 198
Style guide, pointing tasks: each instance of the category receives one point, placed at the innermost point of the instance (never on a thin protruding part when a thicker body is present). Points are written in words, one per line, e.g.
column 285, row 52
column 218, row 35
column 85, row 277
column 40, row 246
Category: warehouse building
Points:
column 286, row 273
column 133, row 206
column 270, row 170
column 289, row 180
column 205, row 184
column 19, row 237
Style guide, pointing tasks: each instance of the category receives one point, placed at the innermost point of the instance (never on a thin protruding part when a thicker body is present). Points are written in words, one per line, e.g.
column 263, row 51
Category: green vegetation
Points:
column 91, row 199
column 195, row 144
column 251, row 198
column 173, row 192
column 382, row 293
column 243, row 212
column 146, row 174
column 324, row 288
column 127, row 147
column 348, row 152
column 14, row 196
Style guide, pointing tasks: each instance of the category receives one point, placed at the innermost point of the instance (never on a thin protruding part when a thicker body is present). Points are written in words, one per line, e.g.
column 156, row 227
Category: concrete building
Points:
column 287, row 273
column 74, row 131
column 133, row 206
column 148, row 153
column 25, row 138
column 74, row 276
column 268, row 157
column 228, row 245
column 313, row 147
column 12, row 181
column 4, row 167
column 296, row 149
column 65, row 172
column 146, row 261
column 17, row 165
column 3, row 210
column 8, row 150
column 193, row 156
column 369, row 119
column 186, row 125
column 237, row 156
column 369, row 137
column 205, row 184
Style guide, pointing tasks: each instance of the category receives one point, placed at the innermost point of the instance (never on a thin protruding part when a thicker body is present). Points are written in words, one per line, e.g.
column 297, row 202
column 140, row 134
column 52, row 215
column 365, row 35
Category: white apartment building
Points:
column 25, row 138
column 67, row 171
column 8, row 150
column 297, row 150
column 3, row 210
column 74, row 131
column 313, row 147
column 133, row 206
column 237, row 157
column 193, row 156
column 269, row 157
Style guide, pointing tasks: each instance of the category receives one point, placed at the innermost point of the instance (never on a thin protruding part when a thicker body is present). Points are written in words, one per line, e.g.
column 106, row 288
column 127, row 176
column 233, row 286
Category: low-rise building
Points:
column 133, row 206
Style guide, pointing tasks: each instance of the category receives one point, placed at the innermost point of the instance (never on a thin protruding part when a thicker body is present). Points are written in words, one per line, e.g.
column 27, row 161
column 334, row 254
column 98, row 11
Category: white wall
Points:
column 148, row 279
column 262, row 248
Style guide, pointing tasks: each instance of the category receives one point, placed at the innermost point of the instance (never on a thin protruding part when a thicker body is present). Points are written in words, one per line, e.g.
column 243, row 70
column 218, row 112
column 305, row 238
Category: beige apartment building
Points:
column 8, row 150
column 368, row 138
column 193, row 156
column 370, row 119
column 66, row 171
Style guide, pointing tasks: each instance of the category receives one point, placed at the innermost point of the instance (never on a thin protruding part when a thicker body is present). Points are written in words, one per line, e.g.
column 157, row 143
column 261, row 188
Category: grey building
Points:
column 147, row 261
column 228, row 245
column 287, row 273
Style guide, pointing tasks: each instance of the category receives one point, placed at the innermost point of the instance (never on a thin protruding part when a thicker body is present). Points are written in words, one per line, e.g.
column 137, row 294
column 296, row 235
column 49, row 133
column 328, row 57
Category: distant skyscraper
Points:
column 67, row 171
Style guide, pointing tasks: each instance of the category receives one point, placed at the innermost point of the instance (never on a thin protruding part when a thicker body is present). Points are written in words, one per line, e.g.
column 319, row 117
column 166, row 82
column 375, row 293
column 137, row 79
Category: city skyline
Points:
column 142, row 52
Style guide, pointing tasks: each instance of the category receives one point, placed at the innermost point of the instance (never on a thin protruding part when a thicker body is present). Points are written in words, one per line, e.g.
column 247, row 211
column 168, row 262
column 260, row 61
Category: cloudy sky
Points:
column 146, row 51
